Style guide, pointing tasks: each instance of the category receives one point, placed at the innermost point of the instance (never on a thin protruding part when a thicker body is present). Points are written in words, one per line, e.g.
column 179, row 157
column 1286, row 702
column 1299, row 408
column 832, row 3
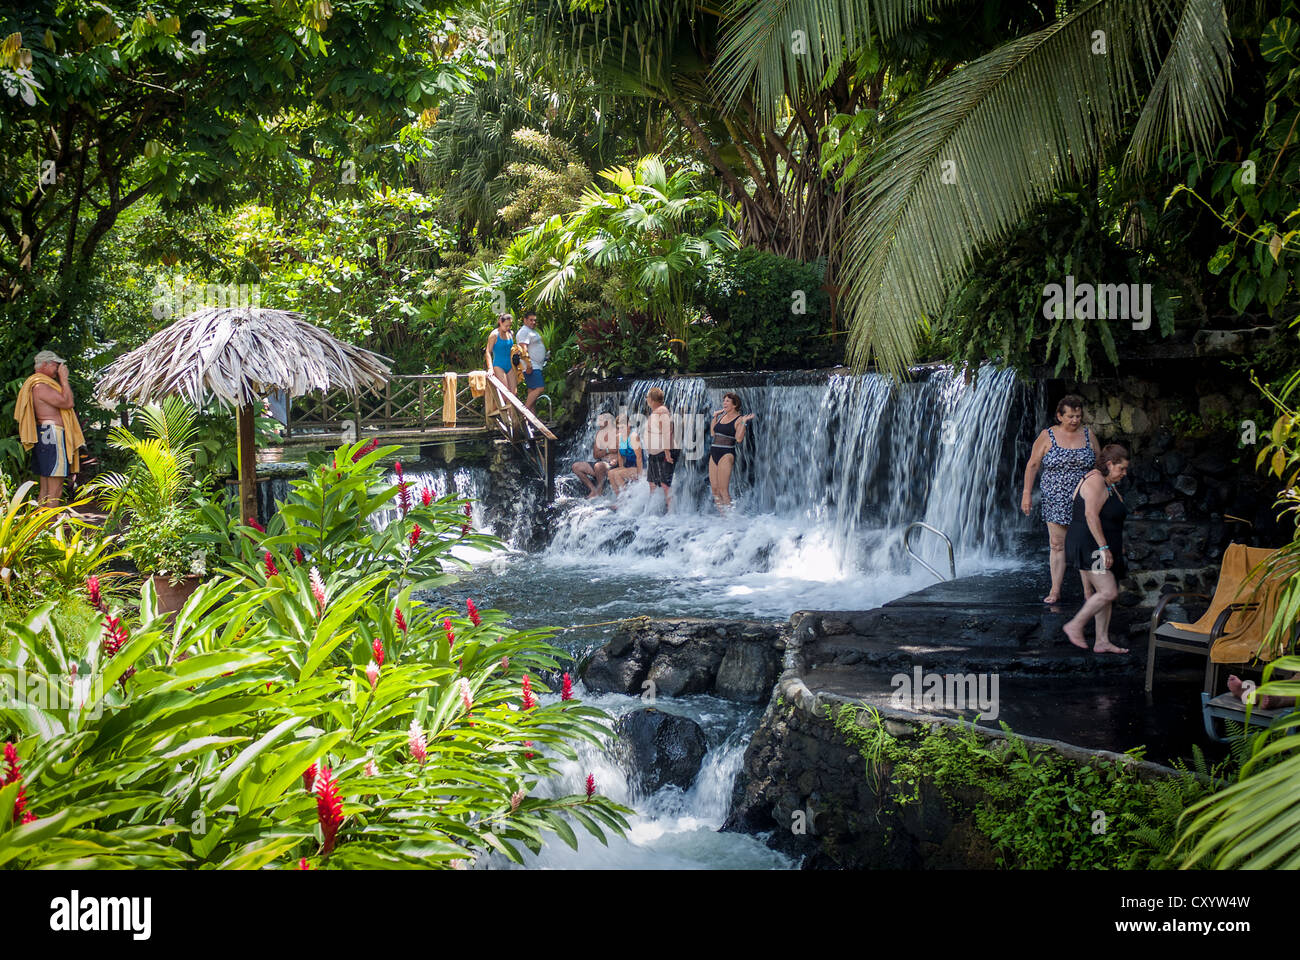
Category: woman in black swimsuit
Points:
column 728, row 429
column 1094, row 544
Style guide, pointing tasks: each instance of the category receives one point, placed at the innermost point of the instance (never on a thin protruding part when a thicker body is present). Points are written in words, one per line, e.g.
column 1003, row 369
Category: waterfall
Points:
column 831, row 470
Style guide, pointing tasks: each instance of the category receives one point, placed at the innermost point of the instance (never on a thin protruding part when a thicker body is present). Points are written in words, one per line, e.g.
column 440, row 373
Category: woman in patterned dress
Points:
column 1063, row 454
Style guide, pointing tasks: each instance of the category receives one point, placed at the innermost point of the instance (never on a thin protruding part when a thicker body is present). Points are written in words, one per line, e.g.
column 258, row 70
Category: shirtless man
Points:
column 660, row 446
column 48, row 404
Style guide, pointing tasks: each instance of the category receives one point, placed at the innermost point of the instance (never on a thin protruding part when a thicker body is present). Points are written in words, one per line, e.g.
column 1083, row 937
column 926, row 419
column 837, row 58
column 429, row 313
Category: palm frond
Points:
column 980, row 149
column 772, row 47
column 1187, row 98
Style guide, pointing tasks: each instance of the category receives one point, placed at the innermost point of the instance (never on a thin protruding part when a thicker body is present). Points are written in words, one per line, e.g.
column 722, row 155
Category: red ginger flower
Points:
column 372, row 673
column 115, row 637
column 318, row 589
column 329, row 808
column 401, row 620
column 465, row 697
column 451, row 634
column 92, row 587
column 271, row 569
column 415, row 535
column 403, row 489
column 309, row 778
column 252, row 522
column 377, row 648
column 566, row 689
column 302, row 864
column 297, row 555
column 416, row 741
column 362, row 451
column 469, row 515
column 591, row 785
column 529, row 700
column 15, row 775
column 474, row 618
column 528, row 753
column 505, row 664
column 426, row 496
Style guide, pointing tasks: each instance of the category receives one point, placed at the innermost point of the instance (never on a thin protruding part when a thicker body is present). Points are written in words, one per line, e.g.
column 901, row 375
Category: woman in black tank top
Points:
column 1094, row 545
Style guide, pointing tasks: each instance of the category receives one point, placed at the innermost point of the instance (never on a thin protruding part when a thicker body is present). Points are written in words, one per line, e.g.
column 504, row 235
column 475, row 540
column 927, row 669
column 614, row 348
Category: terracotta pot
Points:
column 171, row 597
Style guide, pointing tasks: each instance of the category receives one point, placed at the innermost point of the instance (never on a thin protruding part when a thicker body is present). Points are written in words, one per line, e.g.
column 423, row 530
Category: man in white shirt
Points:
column 531, row 340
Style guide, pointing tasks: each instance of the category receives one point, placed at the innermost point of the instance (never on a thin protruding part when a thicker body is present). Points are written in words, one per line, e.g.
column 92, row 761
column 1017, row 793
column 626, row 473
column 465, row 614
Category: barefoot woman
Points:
column 728, row 429
column 1064, row 455
column 1094, row 544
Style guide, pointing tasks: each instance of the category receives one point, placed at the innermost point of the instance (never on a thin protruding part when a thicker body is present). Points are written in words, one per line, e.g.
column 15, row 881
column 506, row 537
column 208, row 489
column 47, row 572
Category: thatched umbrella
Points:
column 238, row 355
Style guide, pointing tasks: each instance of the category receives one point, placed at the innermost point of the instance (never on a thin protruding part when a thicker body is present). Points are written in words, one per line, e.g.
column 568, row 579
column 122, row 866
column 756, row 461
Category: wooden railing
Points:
column 414, row 403
column 410, row 403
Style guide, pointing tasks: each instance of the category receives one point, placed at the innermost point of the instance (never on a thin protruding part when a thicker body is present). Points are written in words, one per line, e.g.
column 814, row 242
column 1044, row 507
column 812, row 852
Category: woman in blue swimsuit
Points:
column 1063, row 454
column 629, row 452
column 497, row 353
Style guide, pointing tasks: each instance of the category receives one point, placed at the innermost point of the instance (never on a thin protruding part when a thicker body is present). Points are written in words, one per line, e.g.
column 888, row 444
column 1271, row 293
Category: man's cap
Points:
column 47, row 356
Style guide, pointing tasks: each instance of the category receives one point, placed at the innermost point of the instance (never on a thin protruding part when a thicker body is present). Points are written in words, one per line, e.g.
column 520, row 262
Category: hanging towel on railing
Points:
column 449, row 399
column 477, row 382
column 491, row 396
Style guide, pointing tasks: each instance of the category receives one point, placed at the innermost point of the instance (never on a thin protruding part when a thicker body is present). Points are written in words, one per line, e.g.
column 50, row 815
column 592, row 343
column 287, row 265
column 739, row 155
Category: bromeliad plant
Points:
column 299, row 708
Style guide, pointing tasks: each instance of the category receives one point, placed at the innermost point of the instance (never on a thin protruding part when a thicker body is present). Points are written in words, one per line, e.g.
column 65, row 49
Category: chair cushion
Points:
column 1167, row 631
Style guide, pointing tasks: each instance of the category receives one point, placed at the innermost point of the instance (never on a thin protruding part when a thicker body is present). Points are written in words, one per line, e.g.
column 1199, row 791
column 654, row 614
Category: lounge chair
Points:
column 1232, row 630
column 1227, row 707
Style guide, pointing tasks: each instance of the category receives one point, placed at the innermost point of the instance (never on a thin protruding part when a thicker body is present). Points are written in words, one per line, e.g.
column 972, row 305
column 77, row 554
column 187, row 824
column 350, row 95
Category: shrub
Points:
column 753, row 299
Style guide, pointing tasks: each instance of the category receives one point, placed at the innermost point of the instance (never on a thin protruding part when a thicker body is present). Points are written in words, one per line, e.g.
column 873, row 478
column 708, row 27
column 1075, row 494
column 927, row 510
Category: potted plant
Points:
column 157, row 500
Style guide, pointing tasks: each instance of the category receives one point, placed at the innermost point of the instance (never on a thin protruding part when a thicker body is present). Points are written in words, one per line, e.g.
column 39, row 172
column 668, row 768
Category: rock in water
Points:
column 661, row 748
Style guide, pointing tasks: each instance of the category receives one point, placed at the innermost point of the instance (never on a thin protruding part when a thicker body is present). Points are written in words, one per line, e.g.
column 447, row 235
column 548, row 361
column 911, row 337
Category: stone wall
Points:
column 810, row 792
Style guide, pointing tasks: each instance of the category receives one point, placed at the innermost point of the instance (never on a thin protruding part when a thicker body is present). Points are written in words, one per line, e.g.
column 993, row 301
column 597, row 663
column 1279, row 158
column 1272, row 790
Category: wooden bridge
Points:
column 427, row 408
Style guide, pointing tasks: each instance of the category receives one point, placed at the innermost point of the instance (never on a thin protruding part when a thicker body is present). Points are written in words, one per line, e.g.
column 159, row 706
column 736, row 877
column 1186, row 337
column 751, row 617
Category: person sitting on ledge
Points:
column 604, row 451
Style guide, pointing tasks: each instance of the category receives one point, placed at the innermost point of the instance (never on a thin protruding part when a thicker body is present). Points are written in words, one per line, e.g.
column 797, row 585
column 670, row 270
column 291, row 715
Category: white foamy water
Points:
column 673, row 829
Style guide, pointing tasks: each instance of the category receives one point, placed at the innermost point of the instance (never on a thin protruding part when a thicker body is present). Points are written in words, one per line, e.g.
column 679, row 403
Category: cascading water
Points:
column 831, row 471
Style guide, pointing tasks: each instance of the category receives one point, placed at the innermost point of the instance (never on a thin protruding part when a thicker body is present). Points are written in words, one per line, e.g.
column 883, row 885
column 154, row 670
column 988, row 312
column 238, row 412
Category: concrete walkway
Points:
column 1006, row 645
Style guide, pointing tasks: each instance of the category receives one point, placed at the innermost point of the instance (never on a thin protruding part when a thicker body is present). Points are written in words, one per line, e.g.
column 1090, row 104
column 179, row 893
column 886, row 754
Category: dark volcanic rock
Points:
column 733, row 659
column 661, row 748
column 746, row 673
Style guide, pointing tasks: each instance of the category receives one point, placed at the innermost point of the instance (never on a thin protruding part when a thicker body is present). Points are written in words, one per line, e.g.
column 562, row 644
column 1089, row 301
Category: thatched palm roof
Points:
column 237, row 355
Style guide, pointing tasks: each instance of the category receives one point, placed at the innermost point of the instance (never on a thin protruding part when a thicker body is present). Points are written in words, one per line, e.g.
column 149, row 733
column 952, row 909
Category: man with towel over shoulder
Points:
column 47, row 422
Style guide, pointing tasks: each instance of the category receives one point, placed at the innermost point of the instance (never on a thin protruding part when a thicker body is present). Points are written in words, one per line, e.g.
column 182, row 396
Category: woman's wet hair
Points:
column 1111, row 453
column 1071, row 401
column 655, row 396
column 734, row 398
column 504, row 316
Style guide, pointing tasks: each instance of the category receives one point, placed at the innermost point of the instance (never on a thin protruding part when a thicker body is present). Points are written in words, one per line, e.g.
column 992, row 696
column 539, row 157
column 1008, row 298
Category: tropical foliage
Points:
column 297, row 711
column 158, row 498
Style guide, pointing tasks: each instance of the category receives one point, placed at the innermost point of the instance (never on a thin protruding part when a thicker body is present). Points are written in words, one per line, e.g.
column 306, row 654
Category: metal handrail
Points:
column 907, row 545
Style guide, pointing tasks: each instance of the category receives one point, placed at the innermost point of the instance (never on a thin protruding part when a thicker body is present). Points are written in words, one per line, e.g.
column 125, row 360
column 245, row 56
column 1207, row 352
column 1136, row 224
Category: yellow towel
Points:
column 25, row 414
column 477, row 382
column 1241, row 582
column 449, row 399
